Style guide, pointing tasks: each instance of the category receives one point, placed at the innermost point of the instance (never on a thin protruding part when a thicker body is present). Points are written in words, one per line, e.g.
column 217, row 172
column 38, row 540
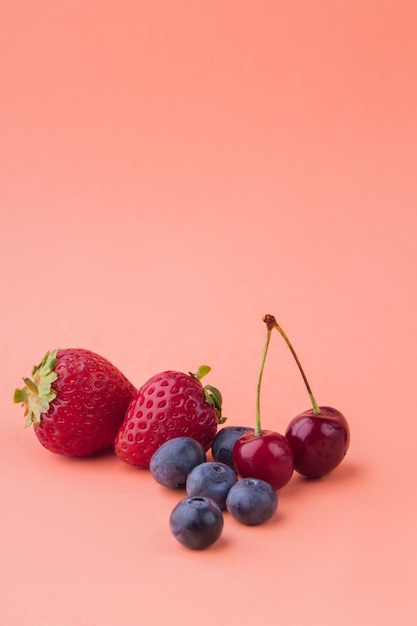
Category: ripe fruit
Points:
column 196, row 522
column 319, row 437
column 319, row 441
column 224, row 441
column 170, row 404
column 267, row 456
column 252, row 501
column 211, row 480
column 174, row 460
column 264, row 454
column 76, row 401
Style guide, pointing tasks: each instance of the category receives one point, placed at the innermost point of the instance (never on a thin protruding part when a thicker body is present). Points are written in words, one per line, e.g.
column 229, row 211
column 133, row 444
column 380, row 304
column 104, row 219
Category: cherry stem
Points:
column 258, row 429
column 271, row 323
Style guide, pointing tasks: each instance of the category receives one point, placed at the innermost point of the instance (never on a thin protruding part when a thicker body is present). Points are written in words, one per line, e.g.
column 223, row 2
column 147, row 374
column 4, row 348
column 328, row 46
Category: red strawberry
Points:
column 76, row 401
column 170, row 404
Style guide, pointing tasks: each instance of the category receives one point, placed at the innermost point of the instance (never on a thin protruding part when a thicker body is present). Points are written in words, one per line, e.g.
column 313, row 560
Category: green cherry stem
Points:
column 271, row 323
column 258, row 429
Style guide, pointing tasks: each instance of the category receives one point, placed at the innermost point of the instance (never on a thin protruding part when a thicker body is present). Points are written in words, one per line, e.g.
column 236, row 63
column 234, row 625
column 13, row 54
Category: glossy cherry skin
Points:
column 319, row 442
column 267, row 456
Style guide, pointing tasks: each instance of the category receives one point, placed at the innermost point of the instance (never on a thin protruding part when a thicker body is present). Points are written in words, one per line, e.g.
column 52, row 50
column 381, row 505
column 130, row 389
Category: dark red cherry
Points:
column 267, row 456
column 320, row 436
column 319, row 441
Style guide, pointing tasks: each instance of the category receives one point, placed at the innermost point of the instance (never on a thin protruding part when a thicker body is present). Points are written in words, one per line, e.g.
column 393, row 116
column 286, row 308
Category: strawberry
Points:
column 76, row 401
column 170, row 404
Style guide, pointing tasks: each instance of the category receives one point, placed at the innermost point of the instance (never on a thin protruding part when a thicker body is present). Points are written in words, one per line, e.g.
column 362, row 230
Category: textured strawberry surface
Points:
column 170, row 404
column 90, row 405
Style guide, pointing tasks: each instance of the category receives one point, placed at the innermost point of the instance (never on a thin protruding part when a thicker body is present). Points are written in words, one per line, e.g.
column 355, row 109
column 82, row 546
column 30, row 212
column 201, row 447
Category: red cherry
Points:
column 263, row 454
column 320, row 436
column 319, row 442
column 267, row 456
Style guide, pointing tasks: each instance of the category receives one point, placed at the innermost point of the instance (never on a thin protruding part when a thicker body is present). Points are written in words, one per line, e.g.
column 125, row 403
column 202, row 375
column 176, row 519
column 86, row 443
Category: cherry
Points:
column 319, row 442
column 267, row 456
column 320, row 436
column 264, row 454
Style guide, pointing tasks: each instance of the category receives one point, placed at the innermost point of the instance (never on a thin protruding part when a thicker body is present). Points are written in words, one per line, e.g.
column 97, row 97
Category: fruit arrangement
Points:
column 80, row 404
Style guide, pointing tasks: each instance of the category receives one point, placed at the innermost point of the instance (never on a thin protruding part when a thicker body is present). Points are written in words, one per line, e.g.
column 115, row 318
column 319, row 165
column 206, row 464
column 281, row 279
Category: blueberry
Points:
column 211, row 480
column 171, row 463
column 196, row 522
column 224, row 441
column 252, row 501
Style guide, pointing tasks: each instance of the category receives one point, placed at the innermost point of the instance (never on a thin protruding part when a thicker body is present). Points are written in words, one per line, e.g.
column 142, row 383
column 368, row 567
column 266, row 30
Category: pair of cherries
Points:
column 314, row 443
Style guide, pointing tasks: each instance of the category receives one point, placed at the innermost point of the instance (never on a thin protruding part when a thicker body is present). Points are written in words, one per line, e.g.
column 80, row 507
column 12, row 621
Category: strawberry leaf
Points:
column 202, row 371
column 38, row 393
column 214, row 398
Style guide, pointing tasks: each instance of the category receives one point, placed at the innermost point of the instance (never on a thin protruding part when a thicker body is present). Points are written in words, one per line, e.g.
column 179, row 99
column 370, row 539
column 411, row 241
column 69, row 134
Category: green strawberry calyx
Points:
column 38, row 393
column 211, row 394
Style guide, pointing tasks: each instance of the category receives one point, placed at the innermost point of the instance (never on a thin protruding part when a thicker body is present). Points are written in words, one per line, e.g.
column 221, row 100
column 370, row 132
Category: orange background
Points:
column 170, row 172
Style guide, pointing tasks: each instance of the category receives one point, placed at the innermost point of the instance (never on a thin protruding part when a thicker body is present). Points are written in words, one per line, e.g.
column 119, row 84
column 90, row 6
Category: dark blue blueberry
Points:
column 224, row 441
column 211, row 480
column 252, row 501
column 171, row 463
column 196, row 522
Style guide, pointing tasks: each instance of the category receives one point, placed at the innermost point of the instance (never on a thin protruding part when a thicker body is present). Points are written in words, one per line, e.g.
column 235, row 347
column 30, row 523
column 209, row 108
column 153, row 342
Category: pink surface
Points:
column 170, row 172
